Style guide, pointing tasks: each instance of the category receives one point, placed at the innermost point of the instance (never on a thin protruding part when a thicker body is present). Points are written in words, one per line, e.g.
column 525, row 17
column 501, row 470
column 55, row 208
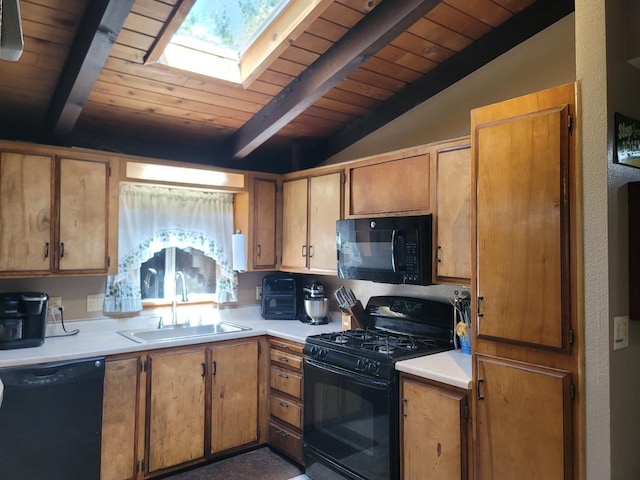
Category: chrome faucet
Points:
column 174, row 306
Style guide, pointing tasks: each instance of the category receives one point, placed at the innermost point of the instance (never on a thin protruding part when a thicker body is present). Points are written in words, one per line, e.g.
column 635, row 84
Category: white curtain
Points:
column 153, row 218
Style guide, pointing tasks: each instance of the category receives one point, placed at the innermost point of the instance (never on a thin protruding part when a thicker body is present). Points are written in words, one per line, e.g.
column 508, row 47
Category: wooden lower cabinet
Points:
column 122, row 418
column 434, row 431
column 235, row 390
column 170, row 408
column 286, row 397
column 176, row 381
column 523, row 420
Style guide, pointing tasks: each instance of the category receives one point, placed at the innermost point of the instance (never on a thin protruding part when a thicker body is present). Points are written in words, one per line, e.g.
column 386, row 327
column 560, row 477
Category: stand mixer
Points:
column 316, row 305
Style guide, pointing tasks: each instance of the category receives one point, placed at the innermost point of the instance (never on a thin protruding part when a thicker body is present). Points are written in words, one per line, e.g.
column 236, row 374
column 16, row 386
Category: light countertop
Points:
column 452, row 368
column 100, row 337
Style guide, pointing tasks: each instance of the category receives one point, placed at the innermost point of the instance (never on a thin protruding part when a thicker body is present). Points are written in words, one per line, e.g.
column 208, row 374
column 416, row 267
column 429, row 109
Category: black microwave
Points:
column 386, row 249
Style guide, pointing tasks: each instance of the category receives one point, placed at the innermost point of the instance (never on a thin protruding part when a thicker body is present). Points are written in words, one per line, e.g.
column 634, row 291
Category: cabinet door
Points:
column 399, row 185
column 83, row 215
column 522, row 166
column 325, row 205
column 26, row 208
column 523, row 421
column 264, row 253
column 175, row 408
column 294, row 224
column 453, row 216
column 235, row 391
column 434, row 429
column 120, row 420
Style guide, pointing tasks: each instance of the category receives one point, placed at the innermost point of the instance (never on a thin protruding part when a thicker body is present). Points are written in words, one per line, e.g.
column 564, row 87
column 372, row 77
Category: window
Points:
column 158, row 279
column 233, row 40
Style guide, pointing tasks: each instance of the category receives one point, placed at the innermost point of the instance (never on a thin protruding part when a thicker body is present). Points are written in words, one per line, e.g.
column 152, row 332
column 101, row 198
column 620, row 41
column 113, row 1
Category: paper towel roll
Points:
column 239, row 252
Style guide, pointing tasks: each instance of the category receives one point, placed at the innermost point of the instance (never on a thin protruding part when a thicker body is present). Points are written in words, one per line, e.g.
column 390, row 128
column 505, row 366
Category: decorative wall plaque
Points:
column 627, row 138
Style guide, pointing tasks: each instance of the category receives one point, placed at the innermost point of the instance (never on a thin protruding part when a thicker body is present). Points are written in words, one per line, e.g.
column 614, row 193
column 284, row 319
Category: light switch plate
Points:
column 620, row 332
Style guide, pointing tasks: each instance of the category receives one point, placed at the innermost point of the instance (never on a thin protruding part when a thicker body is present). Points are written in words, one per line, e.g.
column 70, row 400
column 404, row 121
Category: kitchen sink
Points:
column 177, row 332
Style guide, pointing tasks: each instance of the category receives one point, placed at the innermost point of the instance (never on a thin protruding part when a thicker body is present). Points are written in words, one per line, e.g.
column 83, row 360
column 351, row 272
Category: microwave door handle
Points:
column 394, row 235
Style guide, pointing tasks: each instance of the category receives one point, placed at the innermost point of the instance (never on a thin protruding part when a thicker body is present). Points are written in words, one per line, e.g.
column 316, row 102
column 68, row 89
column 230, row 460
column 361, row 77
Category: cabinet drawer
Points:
column 286, row 440
column 286, row 381
column 286, row 358
column 288, row 411
column 293, row 347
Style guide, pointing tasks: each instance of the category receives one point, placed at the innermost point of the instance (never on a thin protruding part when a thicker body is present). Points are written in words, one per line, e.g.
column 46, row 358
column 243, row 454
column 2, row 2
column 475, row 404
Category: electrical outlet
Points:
column 620, row 332
column 95, row 303
column 259, row 292
column 55, row 301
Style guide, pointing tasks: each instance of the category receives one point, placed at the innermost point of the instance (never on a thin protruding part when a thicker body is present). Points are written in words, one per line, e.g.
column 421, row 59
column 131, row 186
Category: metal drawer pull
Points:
column 283, row 375
column 480, row 314
column 61, row 249
column 283, row 359
column 259, row 250
column 282, row 404
column 281, row 433
column 479, row 394
column 46, row 250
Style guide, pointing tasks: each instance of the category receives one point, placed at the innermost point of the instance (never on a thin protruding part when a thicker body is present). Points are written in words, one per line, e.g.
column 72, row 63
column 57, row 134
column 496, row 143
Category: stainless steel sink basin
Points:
column 177, row 332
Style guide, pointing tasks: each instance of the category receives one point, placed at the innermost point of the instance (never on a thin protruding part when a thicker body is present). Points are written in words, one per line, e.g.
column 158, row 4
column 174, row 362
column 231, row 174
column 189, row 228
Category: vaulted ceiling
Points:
column 84, row 78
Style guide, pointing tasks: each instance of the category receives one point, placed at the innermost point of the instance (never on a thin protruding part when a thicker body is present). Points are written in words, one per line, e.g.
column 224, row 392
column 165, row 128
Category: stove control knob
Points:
column 318, row 352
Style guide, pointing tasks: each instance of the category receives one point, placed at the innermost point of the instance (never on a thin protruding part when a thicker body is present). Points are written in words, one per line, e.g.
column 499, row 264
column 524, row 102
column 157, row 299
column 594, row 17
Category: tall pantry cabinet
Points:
column 526, row 253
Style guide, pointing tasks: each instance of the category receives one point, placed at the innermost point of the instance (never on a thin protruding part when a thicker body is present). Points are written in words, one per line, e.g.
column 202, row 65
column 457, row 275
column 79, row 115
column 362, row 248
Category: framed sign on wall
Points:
column 627, row 138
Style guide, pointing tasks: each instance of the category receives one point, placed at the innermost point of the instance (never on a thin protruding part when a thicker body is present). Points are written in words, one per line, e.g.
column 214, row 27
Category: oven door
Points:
column 350, row 424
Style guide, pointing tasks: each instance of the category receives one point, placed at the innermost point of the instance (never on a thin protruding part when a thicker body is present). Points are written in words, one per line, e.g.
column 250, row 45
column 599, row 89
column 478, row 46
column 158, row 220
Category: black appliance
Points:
column 279, row 297
column 23, row 319
column 351, row 414
column 385, row 250
column 51, row 420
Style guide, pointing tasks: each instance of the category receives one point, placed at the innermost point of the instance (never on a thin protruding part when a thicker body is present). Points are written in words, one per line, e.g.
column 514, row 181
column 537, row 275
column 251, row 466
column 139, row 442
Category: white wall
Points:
column 623, row 80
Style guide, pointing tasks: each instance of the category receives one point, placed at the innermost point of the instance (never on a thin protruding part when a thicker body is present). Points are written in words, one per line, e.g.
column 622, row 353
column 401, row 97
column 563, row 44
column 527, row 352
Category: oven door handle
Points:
column 369, row 382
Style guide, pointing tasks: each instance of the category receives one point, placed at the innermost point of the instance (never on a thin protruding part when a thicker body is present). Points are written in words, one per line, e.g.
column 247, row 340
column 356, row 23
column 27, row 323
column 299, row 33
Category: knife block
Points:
column 358, row 315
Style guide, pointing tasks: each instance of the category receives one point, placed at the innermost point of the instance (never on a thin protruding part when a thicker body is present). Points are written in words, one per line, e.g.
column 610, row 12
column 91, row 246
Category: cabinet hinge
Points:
column 109, row 170
column 572, row 336
column 259, row 349
column 570, row 125
column 466, row 412
column 141, row 466
column 143, row 366
column 572, row 391
column 108, row 261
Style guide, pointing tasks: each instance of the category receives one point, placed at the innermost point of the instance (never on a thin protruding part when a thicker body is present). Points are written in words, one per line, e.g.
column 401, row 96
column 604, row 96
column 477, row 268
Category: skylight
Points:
column 234, row 40
column 229, row 25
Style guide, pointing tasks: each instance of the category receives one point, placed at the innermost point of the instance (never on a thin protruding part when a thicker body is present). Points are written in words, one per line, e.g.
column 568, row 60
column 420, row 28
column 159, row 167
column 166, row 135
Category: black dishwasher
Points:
column 51, row 421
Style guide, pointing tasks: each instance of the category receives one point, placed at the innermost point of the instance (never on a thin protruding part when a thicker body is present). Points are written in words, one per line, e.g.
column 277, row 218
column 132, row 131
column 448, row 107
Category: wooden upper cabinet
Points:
column 294, row 224
column 523, row 414
column 54, row 214
column 265, row 214
column 452, row 219
column 522, row 222
column 310, row 208
column 396, row 183
column 26, row 213
column 325, row 206
column 84, row 210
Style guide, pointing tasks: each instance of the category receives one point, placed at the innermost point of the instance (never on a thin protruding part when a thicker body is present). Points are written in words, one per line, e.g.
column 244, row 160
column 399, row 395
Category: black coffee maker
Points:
column 23, row 319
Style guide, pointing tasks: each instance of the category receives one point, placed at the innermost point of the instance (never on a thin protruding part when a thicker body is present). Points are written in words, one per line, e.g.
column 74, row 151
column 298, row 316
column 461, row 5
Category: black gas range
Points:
column 351, row 417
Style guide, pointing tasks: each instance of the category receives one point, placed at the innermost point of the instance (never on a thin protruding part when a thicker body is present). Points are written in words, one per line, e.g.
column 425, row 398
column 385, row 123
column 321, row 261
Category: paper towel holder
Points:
column 239, row 252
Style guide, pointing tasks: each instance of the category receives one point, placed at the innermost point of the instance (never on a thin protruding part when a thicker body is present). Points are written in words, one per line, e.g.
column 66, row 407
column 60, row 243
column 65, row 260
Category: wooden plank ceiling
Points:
column 82, row 79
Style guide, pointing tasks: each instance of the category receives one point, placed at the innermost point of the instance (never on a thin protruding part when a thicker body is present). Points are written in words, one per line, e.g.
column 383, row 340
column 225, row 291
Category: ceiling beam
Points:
column 514, row 31
column 97, row 32
column 375, row 31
